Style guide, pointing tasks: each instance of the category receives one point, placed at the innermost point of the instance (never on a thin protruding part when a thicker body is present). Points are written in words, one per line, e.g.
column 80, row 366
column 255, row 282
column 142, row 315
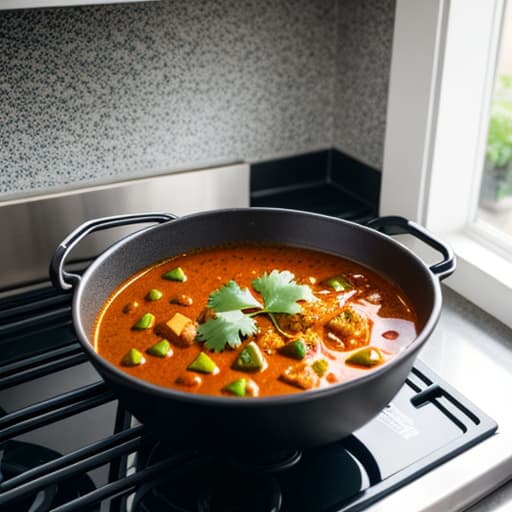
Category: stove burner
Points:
column 247, row 484
column 16, row 457
column 272, row 462
column 238, row 493
column 316, row 479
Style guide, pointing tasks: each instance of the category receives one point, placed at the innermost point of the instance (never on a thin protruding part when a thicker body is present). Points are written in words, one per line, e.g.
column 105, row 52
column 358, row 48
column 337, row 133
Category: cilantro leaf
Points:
column 231, row 297
column 226, row 328
column 280, row 292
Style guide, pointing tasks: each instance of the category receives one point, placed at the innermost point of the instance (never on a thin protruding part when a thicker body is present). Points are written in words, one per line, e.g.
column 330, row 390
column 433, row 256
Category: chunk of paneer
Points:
column 312, row 312
column 301, row 375
column 180, row 330
column 347, row 330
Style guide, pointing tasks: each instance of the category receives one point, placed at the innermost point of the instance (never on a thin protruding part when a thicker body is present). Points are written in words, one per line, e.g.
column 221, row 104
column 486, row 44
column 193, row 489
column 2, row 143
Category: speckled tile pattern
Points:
column 95, row 93
column 99, row 93
column 363, row 59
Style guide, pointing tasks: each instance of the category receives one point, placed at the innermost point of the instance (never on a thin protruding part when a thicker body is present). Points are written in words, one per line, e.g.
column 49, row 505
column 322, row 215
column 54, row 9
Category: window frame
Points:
column 442, row 75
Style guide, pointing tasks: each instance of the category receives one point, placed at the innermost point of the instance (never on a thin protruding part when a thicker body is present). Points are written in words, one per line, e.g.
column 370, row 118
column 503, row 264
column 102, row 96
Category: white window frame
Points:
column 442, row 75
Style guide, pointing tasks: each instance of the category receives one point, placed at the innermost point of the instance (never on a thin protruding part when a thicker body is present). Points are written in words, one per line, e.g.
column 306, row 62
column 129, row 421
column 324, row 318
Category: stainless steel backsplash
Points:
column 31, row 229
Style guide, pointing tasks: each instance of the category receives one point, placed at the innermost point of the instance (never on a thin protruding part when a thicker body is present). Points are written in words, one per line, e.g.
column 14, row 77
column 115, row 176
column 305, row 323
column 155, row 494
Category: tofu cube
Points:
column 180, row 330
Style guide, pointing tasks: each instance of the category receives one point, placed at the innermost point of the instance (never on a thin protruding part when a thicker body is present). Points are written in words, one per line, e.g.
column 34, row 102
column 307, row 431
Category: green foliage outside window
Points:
column 499, row 139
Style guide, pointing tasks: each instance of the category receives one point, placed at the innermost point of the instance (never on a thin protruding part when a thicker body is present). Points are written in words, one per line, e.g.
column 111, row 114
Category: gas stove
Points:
column 67, row 445
column 427, row 423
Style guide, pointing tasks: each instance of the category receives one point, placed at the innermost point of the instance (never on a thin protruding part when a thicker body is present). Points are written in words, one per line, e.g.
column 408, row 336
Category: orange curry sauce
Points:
column 388, row 314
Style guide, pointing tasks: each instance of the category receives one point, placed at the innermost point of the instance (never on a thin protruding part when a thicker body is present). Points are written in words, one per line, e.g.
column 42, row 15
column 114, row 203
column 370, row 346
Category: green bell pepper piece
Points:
column 295, row 349
column 338, row 283
column 203, row 364
column 145, row 322
column 154, row 294
column 368, row 356
column 237, row 387
column 250, row 359
column 176, row 274
column 132, row 358
column 160, row 348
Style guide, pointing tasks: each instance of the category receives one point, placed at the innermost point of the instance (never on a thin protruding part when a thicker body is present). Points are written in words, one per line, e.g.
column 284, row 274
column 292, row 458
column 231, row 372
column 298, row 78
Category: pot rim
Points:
column 276, row 400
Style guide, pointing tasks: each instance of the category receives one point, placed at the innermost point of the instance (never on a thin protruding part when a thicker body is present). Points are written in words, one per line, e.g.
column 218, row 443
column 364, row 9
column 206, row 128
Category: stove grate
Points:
column 423, row 391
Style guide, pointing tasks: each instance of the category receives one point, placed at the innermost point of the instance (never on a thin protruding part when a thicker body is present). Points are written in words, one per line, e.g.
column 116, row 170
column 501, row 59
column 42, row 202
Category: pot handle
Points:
column 66, row 280
column 394, row 225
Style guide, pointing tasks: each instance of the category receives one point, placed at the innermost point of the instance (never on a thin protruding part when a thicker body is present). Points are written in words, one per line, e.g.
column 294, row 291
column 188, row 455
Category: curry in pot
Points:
column 253, row 320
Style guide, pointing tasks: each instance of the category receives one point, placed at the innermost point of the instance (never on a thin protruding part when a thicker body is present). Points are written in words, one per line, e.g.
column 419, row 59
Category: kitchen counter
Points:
column 498, row 501
column 473, row 353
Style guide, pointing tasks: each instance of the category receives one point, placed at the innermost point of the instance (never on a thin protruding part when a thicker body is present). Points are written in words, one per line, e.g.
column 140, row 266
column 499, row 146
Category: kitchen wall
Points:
column 363, row 58
column 101, row 93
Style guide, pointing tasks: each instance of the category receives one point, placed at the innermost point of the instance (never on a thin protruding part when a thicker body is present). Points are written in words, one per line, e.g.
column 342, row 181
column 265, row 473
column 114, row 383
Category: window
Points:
column 494, row 213
column 443, row 67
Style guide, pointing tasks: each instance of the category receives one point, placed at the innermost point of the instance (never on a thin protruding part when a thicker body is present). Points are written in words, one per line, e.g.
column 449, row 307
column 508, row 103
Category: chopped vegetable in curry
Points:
column 154, row 294
column 175, row 274
column 161, row 348
column 253, row 320
column 144, row 322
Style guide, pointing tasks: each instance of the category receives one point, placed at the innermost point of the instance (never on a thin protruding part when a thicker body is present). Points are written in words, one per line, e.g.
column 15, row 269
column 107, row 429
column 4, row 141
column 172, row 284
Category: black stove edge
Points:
column 330, row 167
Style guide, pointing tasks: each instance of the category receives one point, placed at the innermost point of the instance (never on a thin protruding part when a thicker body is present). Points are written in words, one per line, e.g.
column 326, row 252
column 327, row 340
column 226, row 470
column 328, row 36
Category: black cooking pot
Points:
column 289, row 421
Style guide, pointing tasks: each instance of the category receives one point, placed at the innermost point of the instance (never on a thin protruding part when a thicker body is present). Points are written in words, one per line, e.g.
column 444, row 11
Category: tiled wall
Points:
column 363, row 58
column 99, row 93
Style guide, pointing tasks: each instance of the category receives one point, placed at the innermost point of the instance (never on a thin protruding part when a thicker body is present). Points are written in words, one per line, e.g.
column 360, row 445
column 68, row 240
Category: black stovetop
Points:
column 426, row 423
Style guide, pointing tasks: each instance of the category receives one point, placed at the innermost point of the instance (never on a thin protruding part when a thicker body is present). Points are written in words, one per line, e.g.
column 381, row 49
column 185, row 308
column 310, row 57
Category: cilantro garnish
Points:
column 225, row 329
column 280, row 294
column 231, row 297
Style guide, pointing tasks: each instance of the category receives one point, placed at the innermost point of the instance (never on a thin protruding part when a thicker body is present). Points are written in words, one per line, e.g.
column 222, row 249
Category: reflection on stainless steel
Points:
column 30, row 230
column 24, row 4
